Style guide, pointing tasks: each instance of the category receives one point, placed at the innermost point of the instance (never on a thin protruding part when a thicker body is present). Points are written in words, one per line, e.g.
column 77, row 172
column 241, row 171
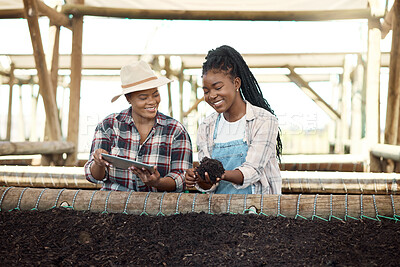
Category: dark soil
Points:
column 61, row 237
column 213, row 167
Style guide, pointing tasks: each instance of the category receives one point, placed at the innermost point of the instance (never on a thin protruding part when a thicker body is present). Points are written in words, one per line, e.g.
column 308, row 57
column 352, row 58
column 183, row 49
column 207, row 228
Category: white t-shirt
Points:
column 230, row 131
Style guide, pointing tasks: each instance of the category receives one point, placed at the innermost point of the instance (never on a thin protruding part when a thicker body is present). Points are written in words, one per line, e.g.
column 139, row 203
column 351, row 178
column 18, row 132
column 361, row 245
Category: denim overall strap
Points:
column 232, row 154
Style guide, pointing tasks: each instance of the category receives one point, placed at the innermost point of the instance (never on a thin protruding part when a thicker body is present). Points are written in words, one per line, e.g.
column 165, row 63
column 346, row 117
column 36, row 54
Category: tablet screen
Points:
column 122, row 163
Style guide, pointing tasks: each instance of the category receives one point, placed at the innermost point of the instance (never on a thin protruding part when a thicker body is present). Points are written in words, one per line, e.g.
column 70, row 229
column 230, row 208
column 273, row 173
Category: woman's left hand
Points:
column 148, row 178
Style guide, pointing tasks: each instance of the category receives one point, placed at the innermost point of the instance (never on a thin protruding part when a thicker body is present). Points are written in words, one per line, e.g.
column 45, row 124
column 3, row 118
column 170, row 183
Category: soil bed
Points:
column 61, row 237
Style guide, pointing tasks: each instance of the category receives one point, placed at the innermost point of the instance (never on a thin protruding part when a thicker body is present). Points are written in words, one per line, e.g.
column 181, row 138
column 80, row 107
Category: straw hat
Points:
column 139, row 76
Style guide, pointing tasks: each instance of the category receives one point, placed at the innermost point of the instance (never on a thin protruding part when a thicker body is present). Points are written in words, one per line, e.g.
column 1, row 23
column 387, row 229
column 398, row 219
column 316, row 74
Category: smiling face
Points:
column 144, row 104
column 221, row 92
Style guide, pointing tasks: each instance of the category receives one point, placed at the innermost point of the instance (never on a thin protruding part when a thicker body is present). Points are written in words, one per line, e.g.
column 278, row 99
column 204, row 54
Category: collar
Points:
column 249, row 111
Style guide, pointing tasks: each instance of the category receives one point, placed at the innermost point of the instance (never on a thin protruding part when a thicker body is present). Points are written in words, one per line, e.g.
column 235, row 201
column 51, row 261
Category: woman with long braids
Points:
column 243, row 133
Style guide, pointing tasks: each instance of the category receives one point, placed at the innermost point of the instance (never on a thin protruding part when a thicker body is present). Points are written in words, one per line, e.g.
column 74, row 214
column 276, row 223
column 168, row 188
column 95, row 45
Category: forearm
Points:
column 234, row 176
column 166, row 184
column 98, row 172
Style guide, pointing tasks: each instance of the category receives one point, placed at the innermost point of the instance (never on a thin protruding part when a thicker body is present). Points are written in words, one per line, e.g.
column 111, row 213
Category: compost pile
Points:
column 60, row 237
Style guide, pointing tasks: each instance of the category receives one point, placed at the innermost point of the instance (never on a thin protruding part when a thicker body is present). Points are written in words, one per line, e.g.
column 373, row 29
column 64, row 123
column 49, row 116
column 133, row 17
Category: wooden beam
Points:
column 17, row 80
column 387, row 22
column 12, row 13
column 198, row 101
column 195, row 61
column 294, row 77
column 49, row 177
column 75, row 86
column 386, row 151
column 320, row 15
column 41, row 66
column 56, row 18
column 31, row 148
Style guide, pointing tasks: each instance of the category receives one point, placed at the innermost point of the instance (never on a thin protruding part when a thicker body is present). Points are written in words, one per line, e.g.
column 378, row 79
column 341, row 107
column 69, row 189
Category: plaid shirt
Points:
column 261, row 167
column 167, row 146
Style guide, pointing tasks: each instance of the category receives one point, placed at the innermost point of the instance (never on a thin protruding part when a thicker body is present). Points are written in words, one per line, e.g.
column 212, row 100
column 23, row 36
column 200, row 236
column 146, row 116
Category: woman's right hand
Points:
column 98, row 159
column 191, row 178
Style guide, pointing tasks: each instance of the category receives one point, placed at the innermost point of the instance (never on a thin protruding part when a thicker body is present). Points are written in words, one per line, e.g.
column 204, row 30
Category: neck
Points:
column 138, row 120
column 236, row 112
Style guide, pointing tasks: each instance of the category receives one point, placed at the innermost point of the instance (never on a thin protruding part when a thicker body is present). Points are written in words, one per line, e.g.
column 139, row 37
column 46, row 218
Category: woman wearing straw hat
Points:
column 143, row 134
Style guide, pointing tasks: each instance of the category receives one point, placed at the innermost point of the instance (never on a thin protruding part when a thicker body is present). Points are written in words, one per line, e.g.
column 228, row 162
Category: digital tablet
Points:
column 126, row 163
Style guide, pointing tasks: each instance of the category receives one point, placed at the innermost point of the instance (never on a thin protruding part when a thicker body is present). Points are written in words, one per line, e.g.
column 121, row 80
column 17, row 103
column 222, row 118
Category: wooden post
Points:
column 344, row 115
column 372, row 131
column 10, row 97
column 167, row 67
column 21, row 126
column 394, row 71
column 181, row 81
column 52, row 58
column 31, row 13
column 393, row 100
column 75, row 85
column 53, row 55
column 356, row 104
column 34, row 101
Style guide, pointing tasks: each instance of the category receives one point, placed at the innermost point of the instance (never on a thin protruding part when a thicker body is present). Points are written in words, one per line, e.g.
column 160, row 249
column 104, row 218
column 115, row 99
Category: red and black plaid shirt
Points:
column 168, row 147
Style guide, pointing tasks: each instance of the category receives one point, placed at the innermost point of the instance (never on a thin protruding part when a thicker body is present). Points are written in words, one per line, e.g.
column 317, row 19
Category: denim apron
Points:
column 232, row 154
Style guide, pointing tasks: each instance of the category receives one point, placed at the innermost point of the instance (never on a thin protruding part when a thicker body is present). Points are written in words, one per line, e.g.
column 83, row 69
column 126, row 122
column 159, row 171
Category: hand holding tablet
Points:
column 122, row 163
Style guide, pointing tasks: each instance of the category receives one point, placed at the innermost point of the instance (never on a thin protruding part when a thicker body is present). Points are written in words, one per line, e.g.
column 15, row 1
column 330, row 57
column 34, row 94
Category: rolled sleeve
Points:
column 261, row 148
column 89, row 176
column 181, row 159
column 100, row 140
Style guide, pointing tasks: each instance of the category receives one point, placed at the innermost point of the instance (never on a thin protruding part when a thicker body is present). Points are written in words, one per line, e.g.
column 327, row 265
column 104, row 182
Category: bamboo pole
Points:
column 75, row 86
column 46, row 91
column 153, row 203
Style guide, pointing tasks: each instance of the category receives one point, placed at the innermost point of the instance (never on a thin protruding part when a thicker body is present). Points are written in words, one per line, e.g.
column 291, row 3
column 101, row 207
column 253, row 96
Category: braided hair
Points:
column 227, row 59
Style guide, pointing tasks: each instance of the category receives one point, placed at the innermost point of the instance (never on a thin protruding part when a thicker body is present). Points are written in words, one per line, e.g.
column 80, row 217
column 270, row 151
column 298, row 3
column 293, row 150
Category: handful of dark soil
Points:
column 213, row 167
